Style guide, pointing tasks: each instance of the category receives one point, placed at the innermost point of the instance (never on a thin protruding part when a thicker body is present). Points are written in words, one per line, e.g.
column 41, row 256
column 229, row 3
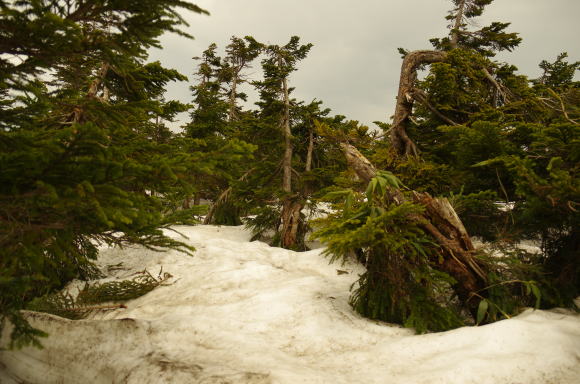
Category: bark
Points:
column 291, row 222
column 404, row 107
column 287, row 159
column 503, row 94
column 98, row 82
column 441, row 222
column 291, row 207
column 308, row 166
column 457, row 25
column 77, row 115
column 233, row 95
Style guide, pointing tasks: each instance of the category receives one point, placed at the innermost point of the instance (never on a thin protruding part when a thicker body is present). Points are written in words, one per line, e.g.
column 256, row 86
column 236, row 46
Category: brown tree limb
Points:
column 562, row 106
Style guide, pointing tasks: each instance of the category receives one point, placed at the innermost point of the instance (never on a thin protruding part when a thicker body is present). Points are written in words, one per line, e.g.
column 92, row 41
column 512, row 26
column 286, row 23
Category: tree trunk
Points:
column 233, row 95
column 441, row 222
column 308, row 166
column 458, row 20
column 287, row 160
column 291, row 223
column 290, row 208
column 404, row 107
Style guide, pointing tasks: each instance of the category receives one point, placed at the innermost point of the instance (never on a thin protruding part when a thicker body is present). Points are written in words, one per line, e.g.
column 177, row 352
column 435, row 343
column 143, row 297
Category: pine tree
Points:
column 467, row 110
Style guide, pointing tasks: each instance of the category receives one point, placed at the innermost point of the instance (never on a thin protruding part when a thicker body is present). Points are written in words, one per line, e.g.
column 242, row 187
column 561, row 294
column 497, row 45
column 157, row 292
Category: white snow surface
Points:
column 243, row 312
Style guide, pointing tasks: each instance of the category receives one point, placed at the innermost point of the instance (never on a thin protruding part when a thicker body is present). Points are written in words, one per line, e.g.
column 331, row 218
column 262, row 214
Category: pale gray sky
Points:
column 354, row 64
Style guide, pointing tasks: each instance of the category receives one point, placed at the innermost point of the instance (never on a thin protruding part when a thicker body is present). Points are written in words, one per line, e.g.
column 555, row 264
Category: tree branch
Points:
column 421, row 97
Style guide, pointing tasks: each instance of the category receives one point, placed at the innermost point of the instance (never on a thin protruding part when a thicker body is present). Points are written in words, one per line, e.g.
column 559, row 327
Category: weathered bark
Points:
column 441, row 222
column 77, row 115
column 290, row 208
column 233, row 95
column 457, row 25
column 503, row 94
column 291, row 222
column 98, row 82
column 285, row 123
column 404, row 107
column 310, row 151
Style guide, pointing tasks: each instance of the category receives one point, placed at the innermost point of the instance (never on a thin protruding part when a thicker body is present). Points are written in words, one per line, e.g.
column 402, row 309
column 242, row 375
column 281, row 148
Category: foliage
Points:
column 399, row 284
column 75, row 307
column 85, row 158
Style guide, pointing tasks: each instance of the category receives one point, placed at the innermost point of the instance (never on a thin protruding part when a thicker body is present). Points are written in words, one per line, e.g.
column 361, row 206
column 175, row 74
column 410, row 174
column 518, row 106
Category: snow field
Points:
column 244, row 312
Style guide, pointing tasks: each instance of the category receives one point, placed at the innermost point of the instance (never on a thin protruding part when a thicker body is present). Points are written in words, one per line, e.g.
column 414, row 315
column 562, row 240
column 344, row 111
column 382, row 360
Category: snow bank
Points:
column 243, row 312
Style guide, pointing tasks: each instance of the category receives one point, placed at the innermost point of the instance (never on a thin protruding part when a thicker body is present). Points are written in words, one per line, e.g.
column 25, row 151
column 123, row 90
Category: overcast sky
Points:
column 354, row 64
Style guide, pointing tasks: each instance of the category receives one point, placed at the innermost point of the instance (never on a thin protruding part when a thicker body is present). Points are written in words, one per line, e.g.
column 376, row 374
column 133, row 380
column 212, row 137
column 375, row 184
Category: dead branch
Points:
column 503, row 92
column 420, row 96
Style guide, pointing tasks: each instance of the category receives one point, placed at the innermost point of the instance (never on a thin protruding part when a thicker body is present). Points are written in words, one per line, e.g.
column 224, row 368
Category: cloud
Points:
column 354, row 64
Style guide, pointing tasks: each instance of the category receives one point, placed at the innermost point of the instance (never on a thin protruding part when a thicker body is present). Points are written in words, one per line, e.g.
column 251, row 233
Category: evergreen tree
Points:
column 214, row 130
column 484, row 42
column 80, row 164
column 276, row 107
column 483, row 131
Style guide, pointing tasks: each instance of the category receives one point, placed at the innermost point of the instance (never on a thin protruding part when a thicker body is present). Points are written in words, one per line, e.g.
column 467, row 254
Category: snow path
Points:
column 244, row 312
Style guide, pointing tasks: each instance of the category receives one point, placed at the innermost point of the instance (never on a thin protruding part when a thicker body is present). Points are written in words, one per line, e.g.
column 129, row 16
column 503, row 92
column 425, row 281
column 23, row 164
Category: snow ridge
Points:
column 244, row 312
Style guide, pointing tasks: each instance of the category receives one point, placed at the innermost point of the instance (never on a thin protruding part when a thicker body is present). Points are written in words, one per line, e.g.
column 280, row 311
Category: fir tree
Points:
column 79, row 162
column 215, row 129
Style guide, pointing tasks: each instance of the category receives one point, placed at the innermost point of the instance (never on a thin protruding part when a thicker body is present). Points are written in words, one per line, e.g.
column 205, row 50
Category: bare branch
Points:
column 420, row 96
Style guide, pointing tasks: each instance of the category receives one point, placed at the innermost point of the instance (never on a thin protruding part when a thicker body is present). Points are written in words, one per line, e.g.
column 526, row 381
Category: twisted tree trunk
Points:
column 405, row 100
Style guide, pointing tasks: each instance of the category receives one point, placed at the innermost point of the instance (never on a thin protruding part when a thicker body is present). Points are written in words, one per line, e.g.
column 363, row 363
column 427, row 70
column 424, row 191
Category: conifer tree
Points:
column 215, row 129
column 485, row 41
column 464, row 96
column 80, row 164
column 240, row 54
column 276, row 106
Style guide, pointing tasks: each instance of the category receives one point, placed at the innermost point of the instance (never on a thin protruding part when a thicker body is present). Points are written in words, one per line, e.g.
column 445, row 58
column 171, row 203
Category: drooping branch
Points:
column 223, row 198
column 404, row 107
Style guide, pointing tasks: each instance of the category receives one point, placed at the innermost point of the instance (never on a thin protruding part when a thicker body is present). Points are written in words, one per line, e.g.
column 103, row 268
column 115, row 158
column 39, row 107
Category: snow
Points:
column 244, row 312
